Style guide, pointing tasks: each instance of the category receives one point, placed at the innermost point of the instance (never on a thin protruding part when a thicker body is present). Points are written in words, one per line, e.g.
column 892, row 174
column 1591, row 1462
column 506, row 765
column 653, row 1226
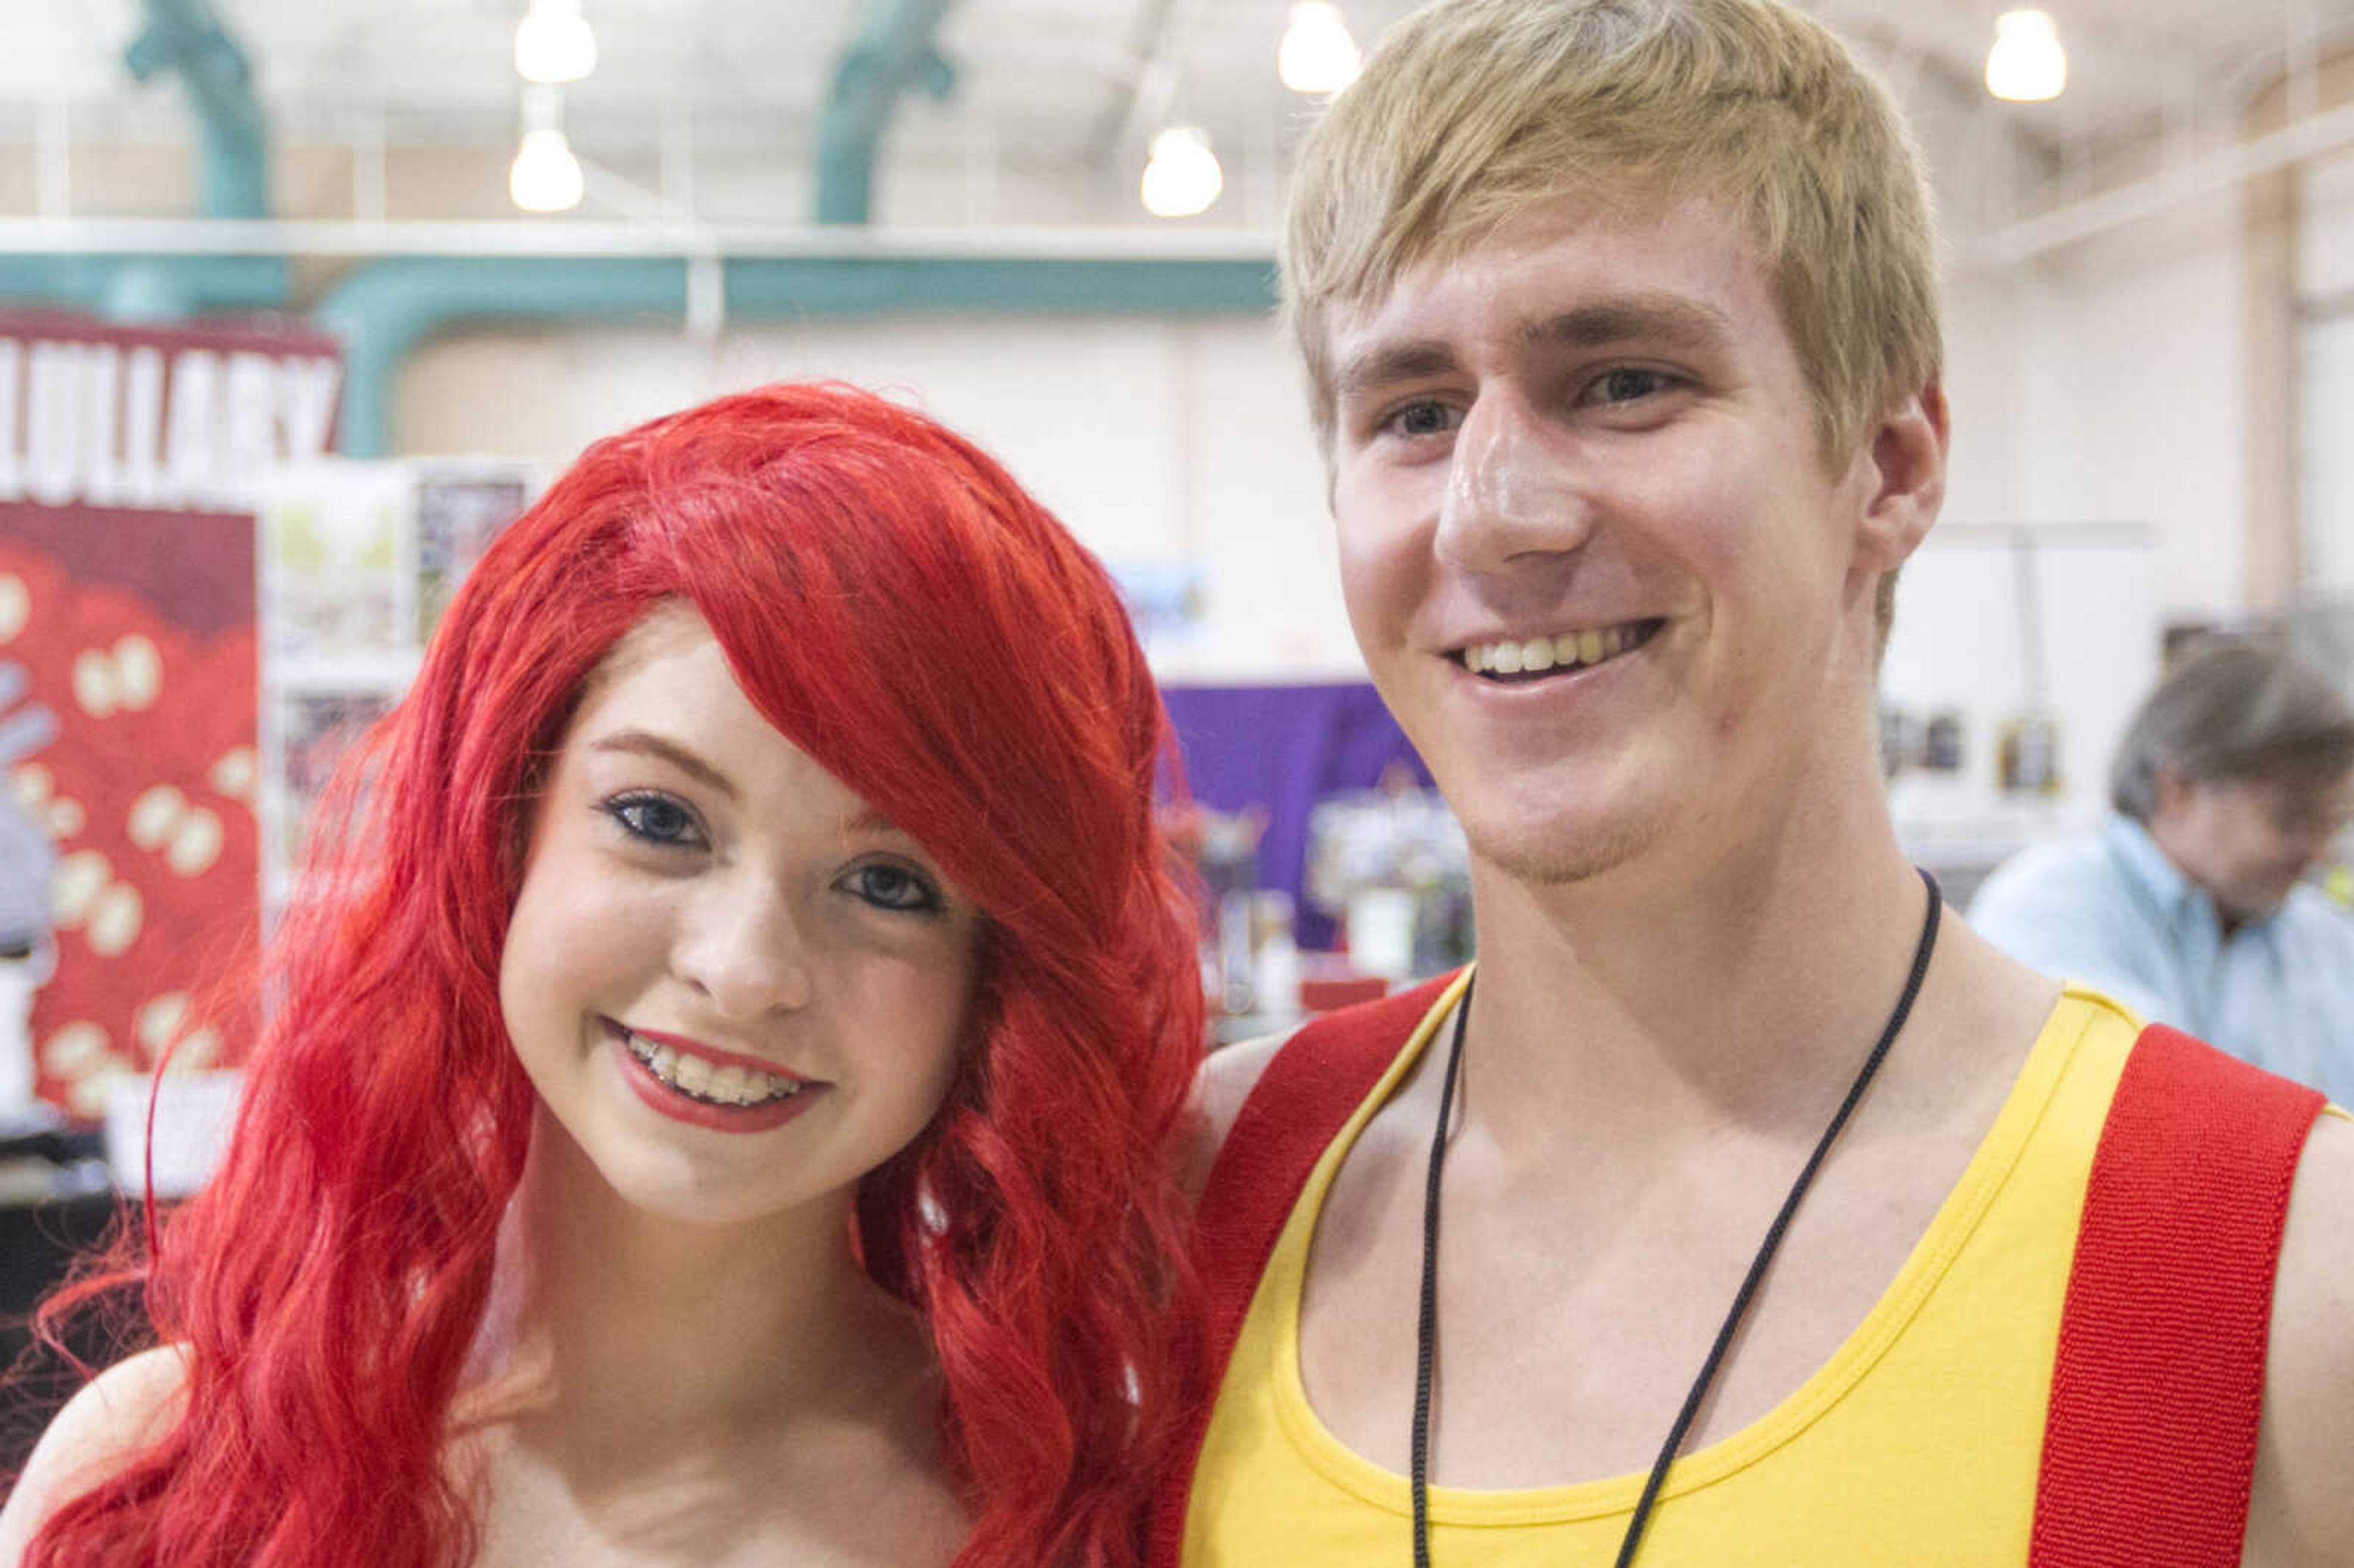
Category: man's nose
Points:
column 1513, row 489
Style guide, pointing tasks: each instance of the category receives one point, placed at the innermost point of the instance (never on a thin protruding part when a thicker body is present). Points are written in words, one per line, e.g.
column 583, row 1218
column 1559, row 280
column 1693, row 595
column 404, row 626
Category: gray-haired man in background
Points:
column 2187, row 904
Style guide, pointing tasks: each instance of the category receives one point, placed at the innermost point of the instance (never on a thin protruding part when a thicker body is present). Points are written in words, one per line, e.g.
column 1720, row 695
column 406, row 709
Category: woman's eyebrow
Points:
column 643, row 743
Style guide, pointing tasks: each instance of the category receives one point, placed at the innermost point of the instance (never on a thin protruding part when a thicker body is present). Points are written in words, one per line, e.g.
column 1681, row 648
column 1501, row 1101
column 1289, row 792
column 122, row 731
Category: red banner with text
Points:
column 130, row 459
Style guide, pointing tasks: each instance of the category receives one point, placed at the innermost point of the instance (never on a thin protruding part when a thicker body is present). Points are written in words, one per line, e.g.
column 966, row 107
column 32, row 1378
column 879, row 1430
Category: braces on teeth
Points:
column 653, row 1058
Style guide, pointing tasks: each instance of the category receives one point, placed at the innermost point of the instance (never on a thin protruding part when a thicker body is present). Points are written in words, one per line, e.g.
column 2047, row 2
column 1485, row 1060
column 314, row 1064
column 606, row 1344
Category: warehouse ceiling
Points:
column 1049, row 92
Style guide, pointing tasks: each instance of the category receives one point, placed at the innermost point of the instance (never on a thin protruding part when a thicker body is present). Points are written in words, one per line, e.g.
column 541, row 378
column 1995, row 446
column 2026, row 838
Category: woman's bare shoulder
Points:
column 122, row 1410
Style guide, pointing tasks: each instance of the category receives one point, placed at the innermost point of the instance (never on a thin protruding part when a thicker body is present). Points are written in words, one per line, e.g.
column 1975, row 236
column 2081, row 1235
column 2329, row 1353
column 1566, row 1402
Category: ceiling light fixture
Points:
column 553, row 43
column 1317, row 56
column 1182, row 176
column 2027, row 64
column 545, row 176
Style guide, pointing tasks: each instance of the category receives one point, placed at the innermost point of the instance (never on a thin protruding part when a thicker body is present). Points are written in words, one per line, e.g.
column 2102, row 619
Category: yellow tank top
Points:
column 1920, row 1437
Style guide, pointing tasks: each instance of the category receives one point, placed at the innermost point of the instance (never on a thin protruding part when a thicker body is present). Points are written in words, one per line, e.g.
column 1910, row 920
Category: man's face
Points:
column 1589, row 544
column 2247, row 841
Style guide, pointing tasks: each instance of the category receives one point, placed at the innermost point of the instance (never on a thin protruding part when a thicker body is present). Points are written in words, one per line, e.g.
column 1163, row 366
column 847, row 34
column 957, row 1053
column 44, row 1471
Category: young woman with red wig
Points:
column 715, row 1095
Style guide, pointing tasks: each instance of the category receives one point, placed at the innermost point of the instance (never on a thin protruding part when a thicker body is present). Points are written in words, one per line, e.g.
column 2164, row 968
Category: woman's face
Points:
column 735, row 985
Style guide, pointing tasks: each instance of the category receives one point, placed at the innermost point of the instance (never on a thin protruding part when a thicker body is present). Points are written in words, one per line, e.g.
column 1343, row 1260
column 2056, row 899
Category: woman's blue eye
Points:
column 889, row 886
column 656, row 819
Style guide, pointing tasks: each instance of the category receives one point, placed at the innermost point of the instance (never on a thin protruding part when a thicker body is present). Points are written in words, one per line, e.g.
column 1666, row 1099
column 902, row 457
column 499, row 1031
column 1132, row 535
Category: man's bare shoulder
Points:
column 1221, row 1086
column 123, row 1409
column 2302, row 1512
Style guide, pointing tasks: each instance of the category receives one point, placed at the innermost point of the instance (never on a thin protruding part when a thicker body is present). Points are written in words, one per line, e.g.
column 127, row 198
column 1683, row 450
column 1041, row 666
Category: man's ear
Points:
column 2170, row 792
column 1904, row 471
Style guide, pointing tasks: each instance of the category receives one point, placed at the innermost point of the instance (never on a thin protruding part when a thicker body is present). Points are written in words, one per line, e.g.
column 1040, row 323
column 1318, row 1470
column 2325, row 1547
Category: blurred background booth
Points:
column 300, row 303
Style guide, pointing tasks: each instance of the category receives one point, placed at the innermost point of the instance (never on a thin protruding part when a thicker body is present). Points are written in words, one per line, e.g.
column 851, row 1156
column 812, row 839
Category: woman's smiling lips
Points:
column 690, row 1081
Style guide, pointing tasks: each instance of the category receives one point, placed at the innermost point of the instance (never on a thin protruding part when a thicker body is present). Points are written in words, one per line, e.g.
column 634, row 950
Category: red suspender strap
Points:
column 1301, row 1101
column 2151, row 1438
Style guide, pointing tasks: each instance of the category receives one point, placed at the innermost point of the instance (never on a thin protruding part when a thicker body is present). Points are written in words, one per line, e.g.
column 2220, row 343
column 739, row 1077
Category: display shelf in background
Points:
column 2000, row 624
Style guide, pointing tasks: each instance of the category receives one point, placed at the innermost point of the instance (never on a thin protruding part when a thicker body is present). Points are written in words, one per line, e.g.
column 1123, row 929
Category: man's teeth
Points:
column 1566, row 650
column 698, row 1079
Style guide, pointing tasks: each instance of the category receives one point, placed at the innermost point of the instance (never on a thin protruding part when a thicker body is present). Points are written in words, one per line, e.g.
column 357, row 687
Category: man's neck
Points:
column 1666, row 995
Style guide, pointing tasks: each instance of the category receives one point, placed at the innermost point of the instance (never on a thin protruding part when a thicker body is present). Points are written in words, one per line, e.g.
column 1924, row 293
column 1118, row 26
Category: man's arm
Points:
column 2301, row 1514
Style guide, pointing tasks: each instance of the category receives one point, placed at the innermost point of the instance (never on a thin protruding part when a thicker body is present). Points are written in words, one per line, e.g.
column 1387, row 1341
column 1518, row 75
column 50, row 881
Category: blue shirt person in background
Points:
column 2186, row 905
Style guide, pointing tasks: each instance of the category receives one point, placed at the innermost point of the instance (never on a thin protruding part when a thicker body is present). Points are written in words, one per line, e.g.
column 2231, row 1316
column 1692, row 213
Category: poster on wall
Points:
column 359, row 559
column 332, row 542
column 129, row 461
column 459, row 508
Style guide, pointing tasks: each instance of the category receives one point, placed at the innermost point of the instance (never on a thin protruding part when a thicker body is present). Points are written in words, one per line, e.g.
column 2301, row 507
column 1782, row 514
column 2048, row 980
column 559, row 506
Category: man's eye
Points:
column 1424, row 419
column 1626, row 385
column 889, row 886
column 656, row 818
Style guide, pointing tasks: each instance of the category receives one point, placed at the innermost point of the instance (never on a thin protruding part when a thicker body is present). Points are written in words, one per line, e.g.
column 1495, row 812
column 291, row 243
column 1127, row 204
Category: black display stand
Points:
column 38, row 1245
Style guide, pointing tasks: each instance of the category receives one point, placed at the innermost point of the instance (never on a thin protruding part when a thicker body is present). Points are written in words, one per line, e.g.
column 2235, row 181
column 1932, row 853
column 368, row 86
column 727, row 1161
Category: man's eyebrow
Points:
column 1656, row 318
column 1388, row 364
column 1666, row 318
column 643, row 743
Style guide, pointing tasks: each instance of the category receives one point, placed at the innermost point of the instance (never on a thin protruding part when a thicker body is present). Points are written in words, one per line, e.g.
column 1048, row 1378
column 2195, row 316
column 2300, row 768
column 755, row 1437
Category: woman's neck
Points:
column 603, row 1312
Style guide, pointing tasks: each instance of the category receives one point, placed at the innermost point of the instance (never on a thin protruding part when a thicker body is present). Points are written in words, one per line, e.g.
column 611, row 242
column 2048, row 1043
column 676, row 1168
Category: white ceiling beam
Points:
column 2046, row 232
column 341, row 238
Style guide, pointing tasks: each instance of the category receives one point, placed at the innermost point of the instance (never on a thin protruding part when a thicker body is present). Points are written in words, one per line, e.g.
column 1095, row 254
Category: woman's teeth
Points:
column 698, row 1079
column 1566, row 650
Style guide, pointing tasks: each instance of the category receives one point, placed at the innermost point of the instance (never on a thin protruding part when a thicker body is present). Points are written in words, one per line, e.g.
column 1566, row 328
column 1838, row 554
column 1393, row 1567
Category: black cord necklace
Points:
column 1427, row 1329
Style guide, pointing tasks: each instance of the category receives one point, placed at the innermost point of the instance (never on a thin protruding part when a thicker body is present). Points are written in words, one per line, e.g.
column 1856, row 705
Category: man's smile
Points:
column 1557, row 653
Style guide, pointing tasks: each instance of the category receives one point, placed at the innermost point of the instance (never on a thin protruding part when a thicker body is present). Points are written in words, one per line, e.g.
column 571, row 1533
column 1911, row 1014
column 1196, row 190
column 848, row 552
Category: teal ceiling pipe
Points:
column 387, row 308
column 840, row 286
column 144, row 288
column 890, row 54
column 183, row 36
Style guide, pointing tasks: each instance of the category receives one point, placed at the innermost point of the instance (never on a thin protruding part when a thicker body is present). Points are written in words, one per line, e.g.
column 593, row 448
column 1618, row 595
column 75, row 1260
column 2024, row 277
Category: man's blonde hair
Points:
column 1472, row 108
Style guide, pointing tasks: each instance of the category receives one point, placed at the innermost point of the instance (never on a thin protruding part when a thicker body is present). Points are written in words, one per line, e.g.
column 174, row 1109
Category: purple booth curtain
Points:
column 1285, row 749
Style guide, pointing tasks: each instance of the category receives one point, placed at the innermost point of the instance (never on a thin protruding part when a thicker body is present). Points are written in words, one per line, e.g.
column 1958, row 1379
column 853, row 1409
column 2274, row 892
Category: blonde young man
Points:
column 1620, row 321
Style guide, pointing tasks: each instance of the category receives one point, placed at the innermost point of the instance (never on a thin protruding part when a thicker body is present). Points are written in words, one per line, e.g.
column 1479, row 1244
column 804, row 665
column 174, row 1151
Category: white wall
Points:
column 2328, row 459
column 1982, row 393
column 2326, row 263
column 2101, row 384
column 2105, row 385
column 1156, row 441
column 2326, row 269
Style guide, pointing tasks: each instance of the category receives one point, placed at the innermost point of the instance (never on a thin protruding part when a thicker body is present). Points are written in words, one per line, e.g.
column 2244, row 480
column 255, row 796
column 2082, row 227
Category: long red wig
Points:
column 900, row 610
